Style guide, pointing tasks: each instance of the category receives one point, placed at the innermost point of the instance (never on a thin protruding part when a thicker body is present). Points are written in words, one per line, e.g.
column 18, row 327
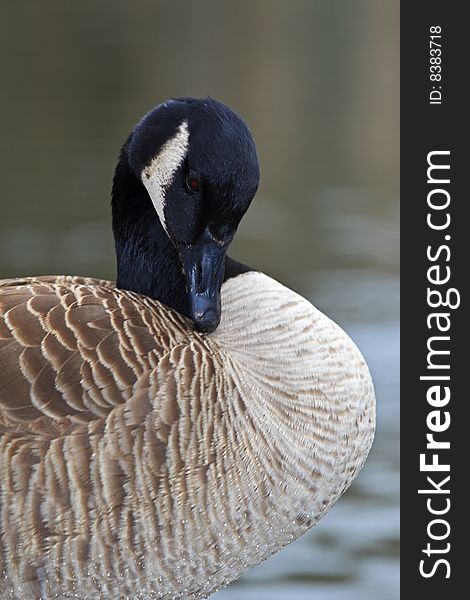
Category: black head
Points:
column 197, row 160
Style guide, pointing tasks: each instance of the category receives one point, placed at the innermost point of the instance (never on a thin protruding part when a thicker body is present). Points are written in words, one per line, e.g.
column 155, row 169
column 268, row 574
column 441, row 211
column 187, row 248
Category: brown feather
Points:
column 141, row 459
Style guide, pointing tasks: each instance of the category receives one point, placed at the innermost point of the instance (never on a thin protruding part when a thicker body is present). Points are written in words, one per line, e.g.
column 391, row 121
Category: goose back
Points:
column 140, row 459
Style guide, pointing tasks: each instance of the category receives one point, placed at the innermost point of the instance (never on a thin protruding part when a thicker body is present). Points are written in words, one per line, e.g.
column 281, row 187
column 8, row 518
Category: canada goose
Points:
column 148, row 450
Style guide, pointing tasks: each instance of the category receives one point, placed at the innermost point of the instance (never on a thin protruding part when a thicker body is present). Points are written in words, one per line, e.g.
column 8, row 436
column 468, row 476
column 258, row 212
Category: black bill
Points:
column 204, row 267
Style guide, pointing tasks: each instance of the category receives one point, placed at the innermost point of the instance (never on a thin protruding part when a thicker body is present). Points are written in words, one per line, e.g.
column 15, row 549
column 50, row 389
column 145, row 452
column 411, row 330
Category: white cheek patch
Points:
column 158, row 175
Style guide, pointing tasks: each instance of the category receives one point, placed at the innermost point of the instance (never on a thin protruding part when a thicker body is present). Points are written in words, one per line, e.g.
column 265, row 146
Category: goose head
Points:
column 197, row 161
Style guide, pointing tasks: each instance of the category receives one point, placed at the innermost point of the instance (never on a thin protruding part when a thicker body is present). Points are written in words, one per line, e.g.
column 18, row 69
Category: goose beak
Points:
column 204, row 267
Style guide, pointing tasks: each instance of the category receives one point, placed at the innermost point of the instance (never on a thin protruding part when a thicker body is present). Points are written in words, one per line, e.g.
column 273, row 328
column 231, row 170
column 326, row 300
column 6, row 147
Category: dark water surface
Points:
column 317, row 82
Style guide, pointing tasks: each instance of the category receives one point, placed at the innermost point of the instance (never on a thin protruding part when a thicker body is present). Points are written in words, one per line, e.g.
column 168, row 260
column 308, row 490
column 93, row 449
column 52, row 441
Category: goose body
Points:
column 155, row 448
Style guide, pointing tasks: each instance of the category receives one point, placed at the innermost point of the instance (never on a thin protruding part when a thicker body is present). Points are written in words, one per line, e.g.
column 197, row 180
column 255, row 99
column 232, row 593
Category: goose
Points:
column 162, row 434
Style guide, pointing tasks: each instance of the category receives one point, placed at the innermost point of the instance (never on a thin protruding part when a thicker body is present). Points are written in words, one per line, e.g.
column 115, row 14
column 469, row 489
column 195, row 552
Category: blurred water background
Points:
column 317, row 81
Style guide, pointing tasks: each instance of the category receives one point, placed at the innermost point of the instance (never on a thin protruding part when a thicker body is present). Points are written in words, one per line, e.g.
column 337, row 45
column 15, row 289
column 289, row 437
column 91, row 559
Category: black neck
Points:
column 147, row 261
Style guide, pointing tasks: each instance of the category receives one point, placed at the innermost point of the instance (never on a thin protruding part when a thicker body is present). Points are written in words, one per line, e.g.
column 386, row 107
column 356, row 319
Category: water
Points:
column 318, row 84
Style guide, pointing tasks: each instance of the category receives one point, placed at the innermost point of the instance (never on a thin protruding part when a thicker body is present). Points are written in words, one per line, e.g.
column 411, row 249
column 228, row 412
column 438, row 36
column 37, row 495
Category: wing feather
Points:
column 72, row 349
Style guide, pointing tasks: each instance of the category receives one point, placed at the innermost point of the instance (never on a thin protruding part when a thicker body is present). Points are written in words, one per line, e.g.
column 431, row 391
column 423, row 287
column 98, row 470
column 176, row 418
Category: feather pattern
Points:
column 140, row 459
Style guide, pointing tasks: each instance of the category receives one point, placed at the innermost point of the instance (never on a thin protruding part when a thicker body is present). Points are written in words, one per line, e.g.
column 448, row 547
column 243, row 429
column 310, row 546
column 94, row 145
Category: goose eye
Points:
column 192, row 183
